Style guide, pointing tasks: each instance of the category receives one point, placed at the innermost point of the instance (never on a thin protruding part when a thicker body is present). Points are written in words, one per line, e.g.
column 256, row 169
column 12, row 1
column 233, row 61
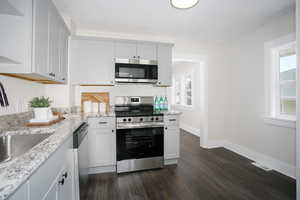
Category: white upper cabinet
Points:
column 126, row 50
column 147, row 51
column 41, row 35
column 164, row 57
column 63, row 53
column 136, row 50
column 92, row 62
column 31, row 45
column 15, row 23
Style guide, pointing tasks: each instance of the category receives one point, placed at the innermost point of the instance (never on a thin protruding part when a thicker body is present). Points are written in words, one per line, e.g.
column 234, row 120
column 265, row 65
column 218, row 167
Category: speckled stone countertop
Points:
column 14, row 173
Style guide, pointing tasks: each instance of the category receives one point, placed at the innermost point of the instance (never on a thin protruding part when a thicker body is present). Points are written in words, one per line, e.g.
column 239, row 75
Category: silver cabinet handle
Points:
column 102, row 122
column 172, row 120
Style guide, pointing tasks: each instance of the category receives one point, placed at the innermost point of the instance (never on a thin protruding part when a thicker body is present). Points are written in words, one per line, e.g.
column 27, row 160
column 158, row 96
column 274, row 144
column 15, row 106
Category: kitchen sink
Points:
column 12, row 146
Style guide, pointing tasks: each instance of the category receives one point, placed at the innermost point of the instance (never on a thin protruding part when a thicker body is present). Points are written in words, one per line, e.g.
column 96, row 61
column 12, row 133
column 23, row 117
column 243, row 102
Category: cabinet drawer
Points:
column 102, row 122
column 171, row 120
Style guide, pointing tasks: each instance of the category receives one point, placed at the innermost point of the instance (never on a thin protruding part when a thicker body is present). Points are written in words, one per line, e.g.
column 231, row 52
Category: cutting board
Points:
column 95, row 97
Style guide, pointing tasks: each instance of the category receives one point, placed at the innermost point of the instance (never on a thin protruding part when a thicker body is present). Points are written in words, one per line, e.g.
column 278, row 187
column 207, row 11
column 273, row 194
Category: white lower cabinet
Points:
column 171, row 137
column 53, row 180
column 22, row 193
column 102, row 142
column 171, row 142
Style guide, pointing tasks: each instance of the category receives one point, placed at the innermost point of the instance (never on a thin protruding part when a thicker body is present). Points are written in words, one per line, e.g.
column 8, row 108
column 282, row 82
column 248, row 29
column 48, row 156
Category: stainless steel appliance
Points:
column 140, row 134
column 12, row 146
column 136, row 71
column 80, row 146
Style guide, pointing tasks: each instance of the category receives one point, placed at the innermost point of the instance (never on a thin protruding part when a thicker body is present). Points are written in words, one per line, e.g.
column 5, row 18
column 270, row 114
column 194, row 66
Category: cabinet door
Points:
column 147, row 51
column 92, row 62
column 41, row 36
column 164, row 57
column 171, row 142
column 102, row 147
column 63, row 53
column 52, row 193
column 21, row 193
column 16, row 36
column 54, row 31
column 126, row 50
column 64, row 190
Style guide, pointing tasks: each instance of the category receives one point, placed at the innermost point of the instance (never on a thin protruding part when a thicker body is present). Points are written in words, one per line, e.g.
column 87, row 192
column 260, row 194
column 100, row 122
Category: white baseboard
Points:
column 190, row 129
column 103, row 169
column 277, row 165
column 211, row 144
column 171, row 161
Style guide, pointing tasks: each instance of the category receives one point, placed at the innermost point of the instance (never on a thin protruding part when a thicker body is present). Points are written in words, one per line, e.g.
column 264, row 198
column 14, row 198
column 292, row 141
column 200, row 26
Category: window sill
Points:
column 287, row 122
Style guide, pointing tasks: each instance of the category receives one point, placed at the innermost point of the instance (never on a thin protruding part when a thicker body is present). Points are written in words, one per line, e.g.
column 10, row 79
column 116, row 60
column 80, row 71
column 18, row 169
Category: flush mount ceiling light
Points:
column 184, row 4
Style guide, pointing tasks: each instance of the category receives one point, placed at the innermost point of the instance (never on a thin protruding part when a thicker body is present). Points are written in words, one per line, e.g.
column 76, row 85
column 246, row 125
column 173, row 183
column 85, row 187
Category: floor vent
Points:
column 261, row 166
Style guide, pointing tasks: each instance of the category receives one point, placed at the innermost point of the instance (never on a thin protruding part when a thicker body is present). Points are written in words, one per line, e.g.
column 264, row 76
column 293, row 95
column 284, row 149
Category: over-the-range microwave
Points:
column 136, row 71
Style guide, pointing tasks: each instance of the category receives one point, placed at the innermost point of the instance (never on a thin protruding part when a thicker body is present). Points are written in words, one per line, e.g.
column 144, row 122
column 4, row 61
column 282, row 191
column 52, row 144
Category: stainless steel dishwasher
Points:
column 81, row 161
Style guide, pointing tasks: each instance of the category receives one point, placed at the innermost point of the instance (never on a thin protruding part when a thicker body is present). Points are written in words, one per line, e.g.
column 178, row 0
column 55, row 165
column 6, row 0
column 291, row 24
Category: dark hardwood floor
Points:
column 200, row 174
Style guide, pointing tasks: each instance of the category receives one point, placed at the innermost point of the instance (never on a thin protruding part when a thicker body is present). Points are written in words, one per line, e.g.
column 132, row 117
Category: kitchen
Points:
column 82, row 106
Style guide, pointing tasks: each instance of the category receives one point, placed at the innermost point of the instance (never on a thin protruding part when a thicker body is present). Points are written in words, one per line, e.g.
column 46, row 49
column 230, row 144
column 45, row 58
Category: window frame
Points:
column 273, row 114
column 183, row 95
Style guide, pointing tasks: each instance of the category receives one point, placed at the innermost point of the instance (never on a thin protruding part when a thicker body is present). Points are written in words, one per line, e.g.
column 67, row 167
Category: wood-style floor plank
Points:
column 201, row 174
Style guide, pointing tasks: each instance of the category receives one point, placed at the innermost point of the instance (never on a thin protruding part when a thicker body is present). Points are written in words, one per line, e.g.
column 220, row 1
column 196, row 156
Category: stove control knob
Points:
column 157, row 119
column 129, row 119
column 141, row 119
column 124, row 120
column 152, row 118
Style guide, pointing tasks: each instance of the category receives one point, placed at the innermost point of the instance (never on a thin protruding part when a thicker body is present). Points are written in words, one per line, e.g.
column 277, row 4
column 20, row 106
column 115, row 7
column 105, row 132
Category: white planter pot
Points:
column 41, row 113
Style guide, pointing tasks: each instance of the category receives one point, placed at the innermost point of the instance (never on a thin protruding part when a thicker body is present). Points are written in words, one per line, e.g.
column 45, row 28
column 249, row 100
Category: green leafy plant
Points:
column 40, row 102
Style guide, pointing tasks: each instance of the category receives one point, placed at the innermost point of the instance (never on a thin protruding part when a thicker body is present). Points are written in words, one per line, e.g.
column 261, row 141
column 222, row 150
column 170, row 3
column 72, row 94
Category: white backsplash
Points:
column 19, row 93
column 120, row 90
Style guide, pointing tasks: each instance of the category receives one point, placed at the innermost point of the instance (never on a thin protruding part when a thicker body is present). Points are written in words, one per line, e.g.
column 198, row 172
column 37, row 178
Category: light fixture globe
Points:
column 184, row 4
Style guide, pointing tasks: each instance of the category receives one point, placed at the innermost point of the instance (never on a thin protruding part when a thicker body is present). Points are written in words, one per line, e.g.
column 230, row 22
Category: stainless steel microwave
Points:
column 136, row 71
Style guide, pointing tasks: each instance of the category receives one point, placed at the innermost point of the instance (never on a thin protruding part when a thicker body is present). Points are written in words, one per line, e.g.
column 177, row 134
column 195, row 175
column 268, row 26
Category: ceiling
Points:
column 215, row 20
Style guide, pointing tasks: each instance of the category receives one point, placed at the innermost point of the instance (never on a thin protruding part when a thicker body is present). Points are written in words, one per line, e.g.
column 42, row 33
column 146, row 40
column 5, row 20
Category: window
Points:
column 280, row 81
column 188, row 90
column 287, row 81
column 183, row 90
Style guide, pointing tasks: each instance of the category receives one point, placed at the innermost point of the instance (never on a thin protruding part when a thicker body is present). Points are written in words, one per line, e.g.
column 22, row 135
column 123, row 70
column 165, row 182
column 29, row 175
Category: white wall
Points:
column 298, row 99
column 190, row 118
column 244, row 125
column 19, row 93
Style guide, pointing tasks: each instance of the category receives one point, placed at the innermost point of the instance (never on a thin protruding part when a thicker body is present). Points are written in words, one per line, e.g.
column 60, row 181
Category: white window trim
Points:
column 182, row 105
column 272, row 103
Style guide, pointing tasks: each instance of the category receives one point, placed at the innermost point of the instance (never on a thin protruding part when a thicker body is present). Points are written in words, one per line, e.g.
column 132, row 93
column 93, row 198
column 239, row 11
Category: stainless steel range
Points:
column 140, row 134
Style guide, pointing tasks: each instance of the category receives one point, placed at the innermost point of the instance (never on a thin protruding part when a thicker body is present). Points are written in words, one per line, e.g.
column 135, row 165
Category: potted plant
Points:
column 40, row 107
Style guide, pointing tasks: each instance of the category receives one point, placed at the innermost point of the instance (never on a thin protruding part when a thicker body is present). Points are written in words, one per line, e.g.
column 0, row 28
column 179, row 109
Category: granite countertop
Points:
column 14, row 173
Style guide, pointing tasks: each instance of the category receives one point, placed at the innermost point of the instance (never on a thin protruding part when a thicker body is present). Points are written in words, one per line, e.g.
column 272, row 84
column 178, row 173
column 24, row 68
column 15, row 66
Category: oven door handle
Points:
column 138, row 127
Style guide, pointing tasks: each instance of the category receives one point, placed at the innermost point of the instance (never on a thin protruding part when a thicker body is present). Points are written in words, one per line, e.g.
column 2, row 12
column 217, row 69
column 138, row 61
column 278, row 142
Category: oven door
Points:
column 140, row 143
column 136, row 73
